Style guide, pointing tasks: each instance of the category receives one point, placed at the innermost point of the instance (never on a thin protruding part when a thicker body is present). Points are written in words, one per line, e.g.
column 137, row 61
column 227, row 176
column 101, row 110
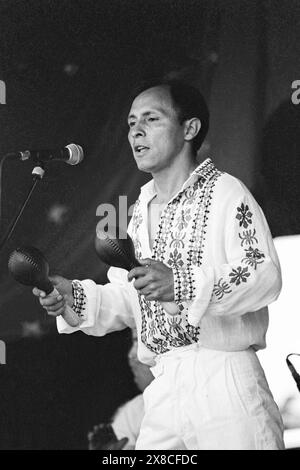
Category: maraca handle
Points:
column 69, row 315
column 45, row 285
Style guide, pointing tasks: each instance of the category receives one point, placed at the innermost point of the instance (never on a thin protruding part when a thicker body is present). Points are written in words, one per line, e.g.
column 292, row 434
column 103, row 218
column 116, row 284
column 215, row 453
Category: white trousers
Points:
column 203, row 399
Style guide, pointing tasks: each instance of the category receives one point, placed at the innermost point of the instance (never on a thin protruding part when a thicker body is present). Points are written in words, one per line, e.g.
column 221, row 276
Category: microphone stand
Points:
column 38, row 173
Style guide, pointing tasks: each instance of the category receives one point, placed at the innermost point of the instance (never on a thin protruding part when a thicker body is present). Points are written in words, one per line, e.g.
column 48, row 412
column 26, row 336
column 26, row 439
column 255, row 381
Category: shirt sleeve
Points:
column 107, row 308
column 250, row 277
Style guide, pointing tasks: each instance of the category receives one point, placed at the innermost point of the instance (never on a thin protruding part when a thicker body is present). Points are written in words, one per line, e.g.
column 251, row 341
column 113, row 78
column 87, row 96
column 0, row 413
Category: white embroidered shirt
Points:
column 214, row 236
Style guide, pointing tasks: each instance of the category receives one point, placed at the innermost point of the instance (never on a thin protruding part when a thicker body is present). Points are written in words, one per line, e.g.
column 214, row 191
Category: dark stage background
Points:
column 69, row 67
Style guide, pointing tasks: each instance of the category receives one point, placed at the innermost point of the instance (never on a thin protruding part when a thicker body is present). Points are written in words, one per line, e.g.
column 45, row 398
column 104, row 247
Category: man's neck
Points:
column 168, row 182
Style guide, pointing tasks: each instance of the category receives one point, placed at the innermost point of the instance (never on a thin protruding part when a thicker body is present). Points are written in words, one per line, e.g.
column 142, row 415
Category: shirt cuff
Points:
column 203, row 283
column 79, row 299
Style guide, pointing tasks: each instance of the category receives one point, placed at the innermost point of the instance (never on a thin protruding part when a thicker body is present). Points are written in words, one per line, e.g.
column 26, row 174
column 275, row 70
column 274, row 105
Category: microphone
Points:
column 71, row 154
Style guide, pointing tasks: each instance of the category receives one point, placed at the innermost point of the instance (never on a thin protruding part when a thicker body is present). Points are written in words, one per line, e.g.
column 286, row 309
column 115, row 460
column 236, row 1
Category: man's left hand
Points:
column 154, row 280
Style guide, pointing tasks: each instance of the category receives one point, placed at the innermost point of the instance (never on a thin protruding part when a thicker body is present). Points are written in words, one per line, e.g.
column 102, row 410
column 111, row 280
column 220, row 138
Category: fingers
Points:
column 144, row 280
column 38, row 293
column 154, row 295
column 148, row 291
column 54, row 308
column 54, row 304
column 59, row 312
column 137, row 272
column 146, row 261
column 153, row 280
column 58, row 309
column 142, row 270
column 141, row 283
column 50, row 301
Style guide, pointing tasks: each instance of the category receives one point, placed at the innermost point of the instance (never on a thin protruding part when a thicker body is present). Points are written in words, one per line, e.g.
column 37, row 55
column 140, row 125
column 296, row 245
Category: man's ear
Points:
column 191, row 129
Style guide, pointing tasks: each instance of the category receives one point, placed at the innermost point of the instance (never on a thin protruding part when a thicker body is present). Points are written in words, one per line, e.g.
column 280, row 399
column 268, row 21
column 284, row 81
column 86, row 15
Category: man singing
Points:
column 205, row 246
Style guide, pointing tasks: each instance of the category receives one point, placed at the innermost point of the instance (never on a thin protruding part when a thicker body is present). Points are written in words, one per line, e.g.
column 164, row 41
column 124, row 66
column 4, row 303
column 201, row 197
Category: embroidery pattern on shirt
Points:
column 244, row 216
column 179, row 244
column 253, row 256
column 200, row 221
column 239, row 275
column 221, row 288
column 184, row 281
column 79, row 297
column 137, row 219
column 248, row 237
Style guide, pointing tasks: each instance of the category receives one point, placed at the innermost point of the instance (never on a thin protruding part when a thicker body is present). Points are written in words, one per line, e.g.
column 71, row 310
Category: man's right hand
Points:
column 56, row 304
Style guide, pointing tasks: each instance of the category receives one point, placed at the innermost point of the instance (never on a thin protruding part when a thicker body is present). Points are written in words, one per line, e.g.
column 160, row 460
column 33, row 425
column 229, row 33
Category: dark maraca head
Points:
column 115, row 248
column 28, row 266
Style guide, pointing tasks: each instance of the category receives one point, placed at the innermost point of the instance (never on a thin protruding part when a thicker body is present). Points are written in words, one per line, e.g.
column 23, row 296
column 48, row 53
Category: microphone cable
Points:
column 295, row 374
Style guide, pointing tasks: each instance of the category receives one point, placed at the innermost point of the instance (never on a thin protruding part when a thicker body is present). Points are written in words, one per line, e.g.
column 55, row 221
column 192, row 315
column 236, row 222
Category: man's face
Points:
column 155, row 134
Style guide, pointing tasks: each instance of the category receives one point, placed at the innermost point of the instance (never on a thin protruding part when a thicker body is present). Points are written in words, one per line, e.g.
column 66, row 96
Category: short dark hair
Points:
column 187, row 100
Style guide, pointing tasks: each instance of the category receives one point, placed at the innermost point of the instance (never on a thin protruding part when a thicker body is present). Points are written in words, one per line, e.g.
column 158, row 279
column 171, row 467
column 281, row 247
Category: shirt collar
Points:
column 203, row 170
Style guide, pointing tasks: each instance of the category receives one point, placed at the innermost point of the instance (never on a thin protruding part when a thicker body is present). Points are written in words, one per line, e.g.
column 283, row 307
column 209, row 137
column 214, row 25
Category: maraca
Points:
column 119, row 252
column 28, row 266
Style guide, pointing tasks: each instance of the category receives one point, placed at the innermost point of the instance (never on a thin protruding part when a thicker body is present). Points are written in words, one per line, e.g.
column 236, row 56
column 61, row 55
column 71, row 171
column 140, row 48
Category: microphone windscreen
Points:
column 76, row 154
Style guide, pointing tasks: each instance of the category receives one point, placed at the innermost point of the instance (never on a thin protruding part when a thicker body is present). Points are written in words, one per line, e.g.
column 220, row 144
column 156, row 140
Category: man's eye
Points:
column 131, row 123
column 152, row 119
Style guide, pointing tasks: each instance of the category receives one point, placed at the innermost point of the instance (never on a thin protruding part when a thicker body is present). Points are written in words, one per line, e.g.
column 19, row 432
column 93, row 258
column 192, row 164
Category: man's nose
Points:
column 137, row 130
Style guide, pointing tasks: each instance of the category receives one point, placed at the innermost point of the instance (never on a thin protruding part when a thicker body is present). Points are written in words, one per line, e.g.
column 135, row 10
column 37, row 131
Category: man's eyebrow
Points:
column 147, row 113
column 130, row 116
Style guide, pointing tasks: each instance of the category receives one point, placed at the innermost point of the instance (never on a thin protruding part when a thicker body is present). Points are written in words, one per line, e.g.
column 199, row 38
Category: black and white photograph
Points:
column 149, row 227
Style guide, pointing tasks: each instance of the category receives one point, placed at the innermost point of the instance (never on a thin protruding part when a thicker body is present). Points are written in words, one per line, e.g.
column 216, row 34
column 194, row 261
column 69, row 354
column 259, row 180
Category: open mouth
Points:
column 140, row 149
